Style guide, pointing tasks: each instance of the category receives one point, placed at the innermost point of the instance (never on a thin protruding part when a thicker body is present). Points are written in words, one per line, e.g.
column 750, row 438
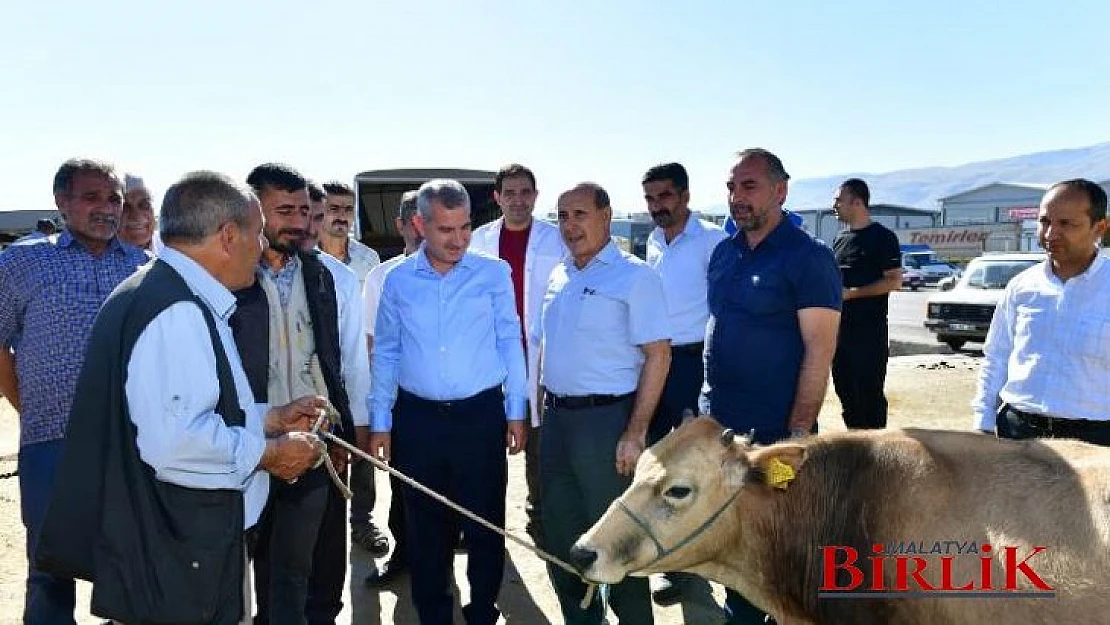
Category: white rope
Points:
column 591, row 587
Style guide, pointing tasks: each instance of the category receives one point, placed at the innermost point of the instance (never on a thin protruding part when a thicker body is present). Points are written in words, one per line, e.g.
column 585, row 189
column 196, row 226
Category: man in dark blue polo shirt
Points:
column 774, row 308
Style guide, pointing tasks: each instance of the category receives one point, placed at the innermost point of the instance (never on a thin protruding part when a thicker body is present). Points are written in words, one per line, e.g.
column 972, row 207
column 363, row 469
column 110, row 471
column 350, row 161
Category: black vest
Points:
column 155, row 552
column 251, row 327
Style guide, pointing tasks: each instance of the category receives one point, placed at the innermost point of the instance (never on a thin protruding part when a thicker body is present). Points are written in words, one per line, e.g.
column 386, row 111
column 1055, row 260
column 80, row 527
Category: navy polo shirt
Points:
column 753, row 347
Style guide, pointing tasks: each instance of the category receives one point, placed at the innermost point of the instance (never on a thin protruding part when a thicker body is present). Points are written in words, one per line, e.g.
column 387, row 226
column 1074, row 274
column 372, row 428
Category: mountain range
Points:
column 922, row 188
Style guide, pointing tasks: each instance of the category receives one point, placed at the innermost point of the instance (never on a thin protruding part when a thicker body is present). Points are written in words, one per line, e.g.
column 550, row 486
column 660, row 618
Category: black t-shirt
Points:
column 863, row 256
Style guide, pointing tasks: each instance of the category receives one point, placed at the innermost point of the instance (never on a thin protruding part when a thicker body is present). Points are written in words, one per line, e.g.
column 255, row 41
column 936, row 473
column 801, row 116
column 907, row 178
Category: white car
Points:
column 964, row 313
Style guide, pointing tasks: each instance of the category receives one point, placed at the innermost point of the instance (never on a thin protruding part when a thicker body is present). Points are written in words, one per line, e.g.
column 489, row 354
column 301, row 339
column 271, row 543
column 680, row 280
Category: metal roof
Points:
column 25, row 220
column 420, row 176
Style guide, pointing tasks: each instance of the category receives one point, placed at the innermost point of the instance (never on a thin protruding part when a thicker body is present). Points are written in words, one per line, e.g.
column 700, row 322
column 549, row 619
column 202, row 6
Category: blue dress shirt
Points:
column 446, row 337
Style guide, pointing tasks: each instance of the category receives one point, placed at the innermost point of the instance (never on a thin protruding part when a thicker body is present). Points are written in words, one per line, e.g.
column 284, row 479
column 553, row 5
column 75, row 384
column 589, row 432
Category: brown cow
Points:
column 770, row 521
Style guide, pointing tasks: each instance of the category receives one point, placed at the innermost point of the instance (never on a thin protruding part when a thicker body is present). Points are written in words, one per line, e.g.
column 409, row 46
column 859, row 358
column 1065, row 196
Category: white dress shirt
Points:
column 372, row 290
column 545, row 250
column 354, row 360
column 1048, row 348
column 682, row 264
column 172, row 390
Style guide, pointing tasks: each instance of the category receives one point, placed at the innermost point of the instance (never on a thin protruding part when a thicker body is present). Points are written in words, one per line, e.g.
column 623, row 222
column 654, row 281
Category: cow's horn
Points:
column 727, row 437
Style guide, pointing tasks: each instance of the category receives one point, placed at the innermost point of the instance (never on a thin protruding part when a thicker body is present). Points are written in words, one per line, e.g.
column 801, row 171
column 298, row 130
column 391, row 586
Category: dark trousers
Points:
column 363, row 492
column 580, row 481
column 286, row 546
column 49, row 600
column 397, row 522
column 458, row 449
column 859, row 373
column 329, row 561
column 680, row 392
column 1016, row 425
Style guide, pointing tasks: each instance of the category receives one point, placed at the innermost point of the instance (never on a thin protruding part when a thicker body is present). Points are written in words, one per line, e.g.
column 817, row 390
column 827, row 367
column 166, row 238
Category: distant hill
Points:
column 923, row 187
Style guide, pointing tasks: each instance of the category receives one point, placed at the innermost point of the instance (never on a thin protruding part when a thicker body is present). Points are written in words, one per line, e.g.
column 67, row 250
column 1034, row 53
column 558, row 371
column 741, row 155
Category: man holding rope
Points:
column 448, row 396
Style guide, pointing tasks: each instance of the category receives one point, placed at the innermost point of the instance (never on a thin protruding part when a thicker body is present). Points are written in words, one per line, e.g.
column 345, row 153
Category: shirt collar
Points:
column 66, row 239
column 1097, row 265
column 607, row 256
column 206, row 287
column 423, row 264
column 692, row 228
column 773, row 238
column 291, row 263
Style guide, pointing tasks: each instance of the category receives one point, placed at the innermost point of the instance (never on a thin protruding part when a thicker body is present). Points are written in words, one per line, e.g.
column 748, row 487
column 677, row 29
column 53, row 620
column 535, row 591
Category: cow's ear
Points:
column 778, row 465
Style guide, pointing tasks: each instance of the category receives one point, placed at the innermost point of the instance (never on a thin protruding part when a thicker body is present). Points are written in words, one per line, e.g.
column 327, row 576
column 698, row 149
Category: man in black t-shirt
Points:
column 870, row 267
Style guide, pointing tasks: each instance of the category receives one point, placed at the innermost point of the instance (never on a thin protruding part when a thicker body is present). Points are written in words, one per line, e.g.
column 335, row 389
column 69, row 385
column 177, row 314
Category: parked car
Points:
column 913, row 278
column 964, row 313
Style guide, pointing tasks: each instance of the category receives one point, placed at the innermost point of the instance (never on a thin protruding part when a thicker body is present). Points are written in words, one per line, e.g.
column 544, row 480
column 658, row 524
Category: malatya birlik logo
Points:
column 928, row 569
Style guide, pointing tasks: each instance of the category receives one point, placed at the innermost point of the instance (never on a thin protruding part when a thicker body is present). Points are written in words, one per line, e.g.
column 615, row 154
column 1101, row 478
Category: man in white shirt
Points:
column 1047, row 355
column 362, row 473
column 678, row 249
column 335, row 232
column 532, row 248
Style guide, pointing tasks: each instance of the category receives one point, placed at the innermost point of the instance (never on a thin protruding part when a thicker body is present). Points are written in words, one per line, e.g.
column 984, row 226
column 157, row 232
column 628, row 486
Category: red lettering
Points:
column 946, row 576
column 1013, row 566
column 985, row 568
column 828, row 557
column 877, row 581
column 901, row 583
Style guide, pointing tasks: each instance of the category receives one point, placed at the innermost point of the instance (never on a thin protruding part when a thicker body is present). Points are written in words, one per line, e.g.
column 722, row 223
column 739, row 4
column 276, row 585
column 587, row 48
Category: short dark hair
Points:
column 1096, row 195
column 196, row 206
column 601, row 196
column 407, row 208
column 858, row 189
column 63, row 179
column 512, row 170
column 674, row 172
column 46, row 226
column 336, row 187
column 278, row 176
column 774, row 165
column 316, row 192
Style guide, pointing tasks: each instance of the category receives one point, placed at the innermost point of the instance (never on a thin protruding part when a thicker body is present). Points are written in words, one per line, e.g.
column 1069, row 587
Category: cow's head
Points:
column 691, row 497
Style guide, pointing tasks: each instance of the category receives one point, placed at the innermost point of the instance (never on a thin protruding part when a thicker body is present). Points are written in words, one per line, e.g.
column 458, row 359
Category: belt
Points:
column 578, row 402
column 1047, row 423
column 690, row 349
column 450, row 403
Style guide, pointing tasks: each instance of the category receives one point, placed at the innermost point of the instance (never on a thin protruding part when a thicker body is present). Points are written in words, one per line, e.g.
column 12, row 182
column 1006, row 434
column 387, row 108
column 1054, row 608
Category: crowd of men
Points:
column 168, row 382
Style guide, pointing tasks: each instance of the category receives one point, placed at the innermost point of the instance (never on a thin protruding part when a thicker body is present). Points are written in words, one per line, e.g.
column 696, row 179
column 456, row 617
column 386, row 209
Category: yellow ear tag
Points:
column 779, row 474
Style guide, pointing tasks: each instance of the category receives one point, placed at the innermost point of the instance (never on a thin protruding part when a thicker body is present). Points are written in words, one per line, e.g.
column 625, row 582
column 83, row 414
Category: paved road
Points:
column 906, row 317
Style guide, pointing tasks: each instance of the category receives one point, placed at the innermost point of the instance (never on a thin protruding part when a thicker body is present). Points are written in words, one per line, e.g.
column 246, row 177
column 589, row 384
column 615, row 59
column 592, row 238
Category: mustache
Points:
column 296, row 232
column 103, row 219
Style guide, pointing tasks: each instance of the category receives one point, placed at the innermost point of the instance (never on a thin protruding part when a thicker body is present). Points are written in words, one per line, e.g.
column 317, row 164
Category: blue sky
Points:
column 575, row 90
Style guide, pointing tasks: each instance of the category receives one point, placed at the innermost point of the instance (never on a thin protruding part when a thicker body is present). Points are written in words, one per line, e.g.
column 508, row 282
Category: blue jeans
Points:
column 50, row 600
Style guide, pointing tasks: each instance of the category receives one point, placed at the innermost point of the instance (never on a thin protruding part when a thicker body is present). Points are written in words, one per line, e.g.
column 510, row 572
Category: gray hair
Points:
column 449, row 193
column 63, row 179
column 407, row 209
column 195, row 207
column 775, row 169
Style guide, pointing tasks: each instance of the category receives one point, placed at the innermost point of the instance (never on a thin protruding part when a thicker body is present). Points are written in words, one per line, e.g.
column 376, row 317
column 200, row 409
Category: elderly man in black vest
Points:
column 164, row 470
column 296, row 336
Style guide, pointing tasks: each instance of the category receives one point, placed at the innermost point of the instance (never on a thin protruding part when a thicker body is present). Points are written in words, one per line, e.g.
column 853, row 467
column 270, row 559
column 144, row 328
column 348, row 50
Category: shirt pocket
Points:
column 600, row 312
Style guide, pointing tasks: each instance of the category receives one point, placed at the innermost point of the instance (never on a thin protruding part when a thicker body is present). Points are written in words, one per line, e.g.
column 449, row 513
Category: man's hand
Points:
column 298, row 415
column 629, row 448
column 339, row 457
column 380, row 446
column 290, row 455
column 516, row 437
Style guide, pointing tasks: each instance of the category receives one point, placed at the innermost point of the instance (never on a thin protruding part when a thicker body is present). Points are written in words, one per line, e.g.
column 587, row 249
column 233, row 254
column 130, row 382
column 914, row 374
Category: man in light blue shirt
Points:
column 447, row 397
column 605, row 355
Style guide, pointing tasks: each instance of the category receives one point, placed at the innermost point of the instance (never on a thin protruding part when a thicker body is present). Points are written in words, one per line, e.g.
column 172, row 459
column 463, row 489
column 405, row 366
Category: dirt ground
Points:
column 930, row 391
